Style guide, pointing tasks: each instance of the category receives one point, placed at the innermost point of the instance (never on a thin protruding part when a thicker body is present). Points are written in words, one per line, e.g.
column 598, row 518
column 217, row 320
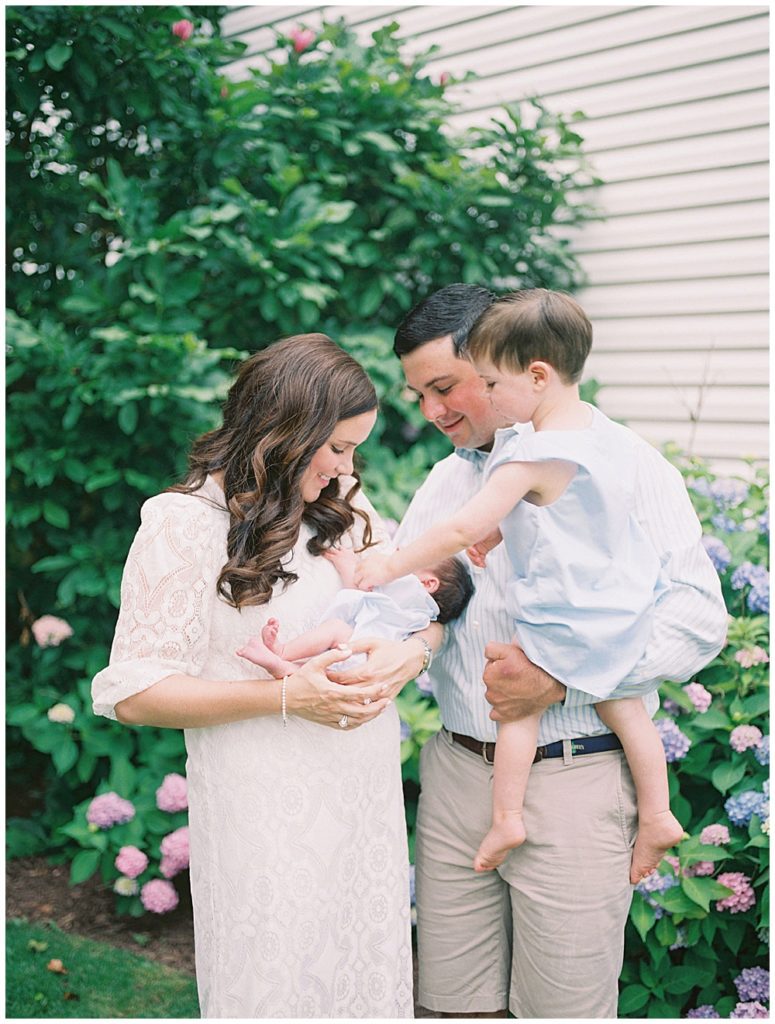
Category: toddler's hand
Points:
column 478, row 552
column 373, row 571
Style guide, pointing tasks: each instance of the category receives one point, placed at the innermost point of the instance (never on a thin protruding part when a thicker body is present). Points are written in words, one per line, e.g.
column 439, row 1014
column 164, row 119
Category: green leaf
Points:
column 53, row 563
column 56, row 515
column 64, row 755
column 632, row 998
column 726, row 775
column 128, row 416
column 642, row 916
column 680, row 980
column 666, row 931
column 122, row 776
column 84, row 865
column 58, row 55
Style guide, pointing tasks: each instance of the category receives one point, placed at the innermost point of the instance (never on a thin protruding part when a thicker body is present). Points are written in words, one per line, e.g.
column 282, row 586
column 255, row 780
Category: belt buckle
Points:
column 484, row 755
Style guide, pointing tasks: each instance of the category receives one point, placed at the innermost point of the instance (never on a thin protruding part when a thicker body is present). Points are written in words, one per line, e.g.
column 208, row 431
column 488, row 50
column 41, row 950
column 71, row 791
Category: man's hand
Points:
column 516, row 687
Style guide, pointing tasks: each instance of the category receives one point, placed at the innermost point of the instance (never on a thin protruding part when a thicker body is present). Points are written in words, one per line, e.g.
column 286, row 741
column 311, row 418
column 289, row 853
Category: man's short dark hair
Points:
column 456, row 588
column 451, row 310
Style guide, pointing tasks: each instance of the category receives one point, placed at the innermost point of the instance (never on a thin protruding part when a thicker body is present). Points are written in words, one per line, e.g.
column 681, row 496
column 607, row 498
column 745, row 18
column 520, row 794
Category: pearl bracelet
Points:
column 283, row 703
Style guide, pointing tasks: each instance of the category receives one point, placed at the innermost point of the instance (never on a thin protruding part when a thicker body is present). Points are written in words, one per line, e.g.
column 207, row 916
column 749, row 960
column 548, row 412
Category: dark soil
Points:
column 39, row 891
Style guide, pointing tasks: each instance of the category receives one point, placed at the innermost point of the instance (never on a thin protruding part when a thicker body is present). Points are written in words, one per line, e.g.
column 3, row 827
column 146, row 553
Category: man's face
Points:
column 452, row 395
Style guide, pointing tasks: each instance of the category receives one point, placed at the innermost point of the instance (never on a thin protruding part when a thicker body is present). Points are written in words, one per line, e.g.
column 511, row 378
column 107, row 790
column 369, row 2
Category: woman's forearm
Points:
column 187, row 702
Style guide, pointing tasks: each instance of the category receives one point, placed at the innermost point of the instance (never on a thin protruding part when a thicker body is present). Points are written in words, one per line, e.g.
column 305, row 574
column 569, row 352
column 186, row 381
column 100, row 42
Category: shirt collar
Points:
column 477, row 457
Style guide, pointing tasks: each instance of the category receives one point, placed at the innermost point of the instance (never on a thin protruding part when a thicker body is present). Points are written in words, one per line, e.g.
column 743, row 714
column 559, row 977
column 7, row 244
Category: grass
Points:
column 101, row 981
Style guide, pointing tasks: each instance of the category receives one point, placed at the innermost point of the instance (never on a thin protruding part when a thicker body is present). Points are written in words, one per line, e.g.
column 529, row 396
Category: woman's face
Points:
column 335, row 457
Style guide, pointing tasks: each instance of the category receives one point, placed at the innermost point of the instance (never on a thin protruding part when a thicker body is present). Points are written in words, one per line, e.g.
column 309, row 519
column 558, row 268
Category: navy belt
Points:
column 582, row 745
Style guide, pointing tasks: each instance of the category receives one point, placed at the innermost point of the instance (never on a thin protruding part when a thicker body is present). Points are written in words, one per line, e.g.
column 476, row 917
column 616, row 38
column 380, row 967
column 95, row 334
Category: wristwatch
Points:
column 427, row 655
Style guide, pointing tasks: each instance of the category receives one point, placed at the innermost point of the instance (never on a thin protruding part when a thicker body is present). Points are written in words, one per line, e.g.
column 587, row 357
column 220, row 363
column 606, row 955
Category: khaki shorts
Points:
column 544, row 934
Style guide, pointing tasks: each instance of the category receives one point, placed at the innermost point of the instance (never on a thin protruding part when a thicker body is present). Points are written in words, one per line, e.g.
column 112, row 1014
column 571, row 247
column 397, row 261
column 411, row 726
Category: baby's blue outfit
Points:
column 586, row 576
column 391, row 612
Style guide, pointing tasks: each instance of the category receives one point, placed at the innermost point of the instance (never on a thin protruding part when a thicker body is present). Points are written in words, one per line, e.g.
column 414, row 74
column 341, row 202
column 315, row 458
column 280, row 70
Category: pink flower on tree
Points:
column 158, row 896
column 174, row 852
column 130, row 861
column 172, row 794
column 109, row 809
column 49, row 631
column 699, row 697
column 714, row 835
column 745, row 736
column 741, row 898
column 302, row 38
column 183, row 29
column 750, row 656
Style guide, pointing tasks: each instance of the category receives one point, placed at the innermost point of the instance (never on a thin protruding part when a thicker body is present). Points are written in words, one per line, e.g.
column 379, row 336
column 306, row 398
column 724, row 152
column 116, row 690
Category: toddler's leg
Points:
column 658, row 829
column 514, row 753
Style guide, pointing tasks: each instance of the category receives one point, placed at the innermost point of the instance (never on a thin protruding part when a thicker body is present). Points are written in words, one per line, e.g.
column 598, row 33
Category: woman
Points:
column 298, row 844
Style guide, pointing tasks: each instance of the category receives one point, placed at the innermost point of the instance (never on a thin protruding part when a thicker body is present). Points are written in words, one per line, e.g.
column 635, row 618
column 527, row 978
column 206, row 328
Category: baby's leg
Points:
column 658, row 829
column 514, row 753
column 256, row 650
column 279, row 659
column 323, row 637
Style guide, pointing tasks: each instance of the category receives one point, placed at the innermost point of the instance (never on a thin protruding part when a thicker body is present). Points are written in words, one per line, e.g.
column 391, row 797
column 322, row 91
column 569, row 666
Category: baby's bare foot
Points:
column 269, row 635
column 655, row 837
column 505, row 834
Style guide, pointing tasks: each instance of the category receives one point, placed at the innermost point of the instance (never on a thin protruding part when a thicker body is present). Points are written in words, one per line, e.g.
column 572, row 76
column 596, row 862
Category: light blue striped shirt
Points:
column 689, row 623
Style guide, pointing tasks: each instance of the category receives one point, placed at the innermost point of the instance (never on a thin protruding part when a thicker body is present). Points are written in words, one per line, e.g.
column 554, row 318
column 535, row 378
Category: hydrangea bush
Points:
column 698, row 931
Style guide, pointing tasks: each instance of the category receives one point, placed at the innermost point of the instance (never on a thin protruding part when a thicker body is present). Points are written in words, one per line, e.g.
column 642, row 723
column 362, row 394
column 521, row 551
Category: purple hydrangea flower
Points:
column 725, row 523
column 749, row 1011
column 670, row 707
column 680, row 939
column 109, row 809
column 412, row 891
column 172, row 794
column 714, row 835
column 753, row 983
column 699, row 696
column 656, row 883
column 728, row 493
column 705, row 1011
column 759, row 598
column 748, row 574
column 763, row 522
column 741, row 807
column 159, row 896
column 675, row 742
column 743, row 737
column 701, row 485
column 741, row 898
column 762, row 752
column 406, row 732
column 718, row 552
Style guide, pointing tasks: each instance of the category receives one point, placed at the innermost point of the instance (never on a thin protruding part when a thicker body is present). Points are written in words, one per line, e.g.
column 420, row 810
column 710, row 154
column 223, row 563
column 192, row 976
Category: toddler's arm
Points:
column 478, row 552
column 476, row 519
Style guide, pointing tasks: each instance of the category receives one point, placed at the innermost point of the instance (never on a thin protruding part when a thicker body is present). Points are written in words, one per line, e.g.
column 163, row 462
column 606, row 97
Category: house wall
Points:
column 676, row 105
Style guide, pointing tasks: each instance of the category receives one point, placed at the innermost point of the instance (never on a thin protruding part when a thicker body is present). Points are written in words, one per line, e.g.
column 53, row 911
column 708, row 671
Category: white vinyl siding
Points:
column 676, row 105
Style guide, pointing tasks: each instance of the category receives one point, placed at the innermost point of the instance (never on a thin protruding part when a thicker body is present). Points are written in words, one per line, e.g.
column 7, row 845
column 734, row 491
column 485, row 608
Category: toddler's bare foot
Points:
column 504, row 835
column 269, row 635
column 655, row 837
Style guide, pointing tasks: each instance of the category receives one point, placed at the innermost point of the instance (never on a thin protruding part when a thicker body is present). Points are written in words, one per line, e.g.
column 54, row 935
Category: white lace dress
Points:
column 299, row 864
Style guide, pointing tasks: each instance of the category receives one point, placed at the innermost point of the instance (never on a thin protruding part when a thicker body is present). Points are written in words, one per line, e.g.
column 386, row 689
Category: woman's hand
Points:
column 390, row 663
column 312, row 695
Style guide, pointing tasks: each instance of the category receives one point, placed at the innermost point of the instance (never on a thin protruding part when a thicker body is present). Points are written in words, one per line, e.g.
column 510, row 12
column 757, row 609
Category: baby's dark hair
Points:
column 533, row 324
column 456, row 588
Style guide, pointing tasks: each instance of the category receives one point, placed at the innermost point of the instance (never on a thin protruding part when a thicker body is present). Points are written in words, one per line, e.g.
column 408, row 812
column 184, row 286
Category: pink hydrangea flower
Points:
column 699, row 696
column 301, row 38
column 174, row 852
column 183, row 29
column 741, row 898
column 172, row 794
column 745, row 736
column 701, row 868
column 714, row 835
column 750, row 1011
column 673, row 861
column 130, row 861
column 750, row 656
column 49, row 631
column 109, row 809
column 158, row 896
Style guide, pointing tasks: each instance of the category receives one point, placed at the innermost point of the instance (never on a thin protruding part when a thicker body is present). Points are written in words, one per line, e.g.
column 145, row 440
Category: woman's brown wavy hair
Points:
column 283, row 407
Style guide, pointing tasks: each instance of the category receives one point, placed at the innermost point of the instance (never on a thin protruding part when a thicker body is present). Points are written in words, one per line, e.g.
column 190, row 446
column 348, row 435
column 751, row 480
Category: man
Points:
column 543, row 935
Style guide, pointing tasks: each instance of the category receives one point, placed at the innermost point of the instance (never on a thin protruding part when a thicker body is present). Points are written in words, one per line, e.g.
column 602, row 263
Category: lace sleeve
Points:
column 167, row 593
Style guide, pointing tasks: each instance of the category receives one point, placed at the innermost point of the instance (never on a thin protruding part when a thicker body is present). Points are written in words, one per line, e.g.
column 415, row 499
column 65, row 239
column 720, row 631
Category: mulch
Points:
column 40, row 892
